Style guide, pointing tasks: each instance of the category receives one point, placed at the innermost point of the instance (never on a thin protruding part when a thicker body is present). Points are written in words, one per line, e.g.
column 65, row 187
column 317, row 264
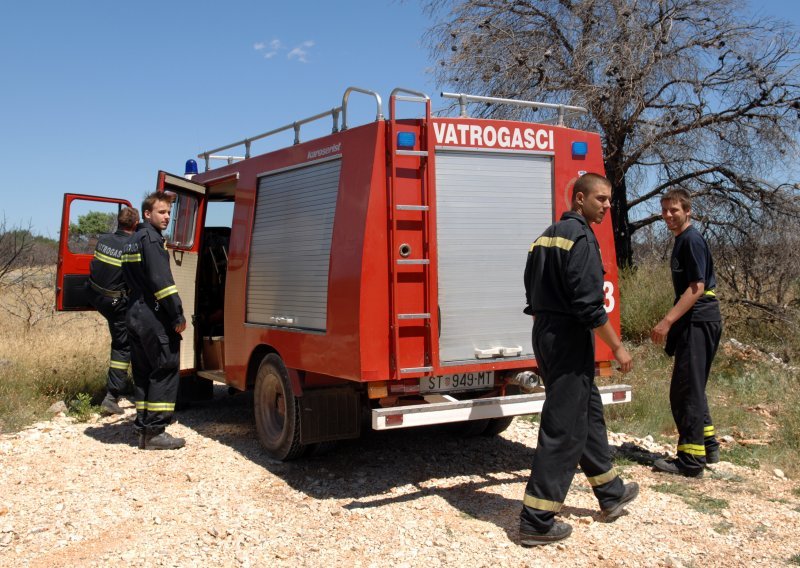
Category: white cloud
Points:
column 301, row 51
column 275, row 46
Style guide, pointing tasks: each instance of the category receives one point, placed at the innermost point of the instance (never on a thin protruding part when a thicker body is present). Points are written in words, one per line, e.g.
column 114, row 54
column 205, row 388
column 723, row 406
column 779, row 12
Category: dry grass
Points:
column 56, row 358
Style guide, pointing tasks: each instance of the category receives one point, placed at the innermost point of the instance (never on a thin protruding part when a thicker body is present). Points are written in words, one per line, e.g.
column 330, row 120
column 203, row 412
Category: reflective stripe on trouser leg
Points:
column 155, row 354
column 565, row 355
column 694, row 353
column 710, row 438
column 120, row 353
column 596, row 459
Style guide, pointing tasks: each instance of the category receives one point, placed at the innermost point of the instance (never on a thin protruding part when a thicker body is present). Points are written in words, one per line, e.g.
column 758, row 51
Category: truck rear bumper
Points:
column 450, row 410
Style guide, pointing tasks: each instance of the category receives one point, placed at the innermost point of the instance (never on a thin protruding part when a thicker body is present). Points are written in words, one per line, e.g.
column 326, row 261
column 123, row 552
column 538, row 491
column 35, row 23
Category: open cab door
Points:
column 183, row 243
column 83, row 219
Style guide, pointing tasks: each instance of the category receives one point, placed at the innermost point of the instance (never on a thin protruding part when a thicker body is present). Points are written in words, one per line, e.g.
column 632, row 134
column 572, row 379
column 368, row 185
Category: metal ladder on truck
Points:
column 412, row 212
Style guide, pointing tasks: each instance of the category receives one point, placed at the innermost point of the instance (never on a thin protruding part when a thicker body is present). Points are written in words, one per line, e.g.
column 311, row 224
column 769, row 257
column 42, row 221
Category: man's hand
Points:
column 625, row 360
column 180, row 327
column 660, row 331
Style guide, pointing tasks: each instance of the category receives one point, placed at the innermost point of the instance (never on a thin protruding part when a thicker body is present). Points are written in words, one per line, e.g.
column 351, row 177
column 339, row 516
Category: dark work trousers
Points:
column 572, row 430
column 695, row 347
column 113, row 309
column 155, row 358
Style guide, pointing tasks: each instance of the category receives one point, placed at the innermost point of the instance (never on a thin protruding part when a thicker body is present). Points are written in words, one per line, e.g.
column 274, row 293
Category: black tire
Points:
column 321, row 448
column 277, row 412
column 470, row 428
column 497, row 425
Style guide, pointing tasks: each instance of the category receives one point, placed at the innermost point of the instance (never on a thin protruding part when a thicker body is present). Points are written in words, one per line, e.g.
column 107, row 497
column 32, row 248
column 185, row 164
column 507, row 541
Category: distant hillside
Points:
column 35, row 250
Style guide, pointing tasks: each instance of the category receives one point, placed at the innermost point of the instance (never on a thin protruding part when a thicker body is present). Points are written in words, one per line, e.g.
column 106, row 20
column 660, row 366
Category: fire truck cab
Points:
column 376, row 267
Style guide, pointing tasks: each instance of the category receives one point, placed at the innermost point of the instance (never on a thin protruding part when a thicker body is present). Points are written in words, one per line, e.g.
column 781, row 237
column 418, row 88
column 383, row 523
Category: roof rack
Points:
column 564, row 111
column 209, row 155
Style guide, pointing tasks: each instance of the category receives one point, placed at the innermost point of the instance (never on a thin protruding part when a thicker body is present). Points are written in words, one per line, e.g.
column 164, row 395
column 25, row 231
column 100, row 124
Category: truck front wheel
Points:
column 277, row 411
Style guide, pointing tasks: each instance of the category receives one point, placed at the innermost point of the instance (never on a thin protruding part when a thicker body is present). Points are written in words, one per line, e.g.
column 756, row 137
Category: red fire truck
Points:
column 379, row 266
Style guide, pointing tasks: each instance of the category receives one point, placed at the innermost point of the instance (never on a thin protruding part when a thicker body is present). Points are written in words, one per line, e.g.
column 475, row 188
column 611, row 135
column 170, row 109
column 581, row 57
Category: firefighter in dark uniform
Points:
column 692, row 330
column 564, row 291
column 108, row 294
column 155, row 321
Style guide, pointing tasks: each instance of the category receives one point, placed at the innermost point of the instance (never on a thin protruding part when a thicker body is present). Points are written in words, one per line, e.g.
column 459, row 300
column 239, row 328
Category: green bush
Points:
column 81, row 407
column 646, row 296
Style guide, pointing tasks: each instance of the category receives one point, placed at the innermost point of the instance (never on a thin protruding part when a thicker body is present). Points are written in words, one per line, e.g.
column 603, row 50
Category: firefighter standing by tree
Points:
column 692, row 330
column 108, row 294
column 564, row 291
column 155, row 322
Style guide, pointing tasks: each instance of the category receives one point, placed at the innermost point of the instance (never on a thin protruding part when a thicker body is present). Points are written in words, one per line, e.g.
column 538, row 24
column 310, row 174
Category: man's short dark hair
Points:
column 151, row 199
column 680, row 195
column 586, row 182
column 127, row 218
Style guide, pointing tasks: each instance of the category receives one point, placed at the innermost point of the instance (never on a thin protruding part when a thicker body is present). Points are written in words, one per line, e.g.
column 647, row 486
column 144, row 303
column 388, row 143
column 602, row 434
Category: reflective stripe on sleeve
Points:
column 596, row 480
column 541, row 504
column 168, row 291
column 137, row 257
column 559, row 242
column 121, row 365
column 693, row 449
column 107, row 259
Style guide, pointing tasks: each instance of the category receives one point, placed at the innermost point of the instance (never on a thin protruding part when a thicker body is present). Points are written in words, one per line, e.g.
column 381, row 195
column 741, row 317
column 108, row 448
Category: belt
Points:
column 105, row 292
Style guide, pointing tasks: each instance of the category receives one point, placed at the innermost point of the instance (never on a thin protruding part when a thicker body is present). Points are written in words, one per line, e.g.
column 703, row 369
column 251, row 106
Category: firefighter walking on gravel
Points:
column 155, row 321
column 108, row 294
column 564, row 291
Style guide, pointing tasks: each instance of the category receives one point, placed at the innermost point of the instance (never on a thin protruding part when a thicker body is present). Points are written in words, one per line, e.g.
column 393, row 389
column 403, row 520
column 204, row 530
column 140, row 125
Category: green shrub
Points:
column 81, row 407
column 646, row 296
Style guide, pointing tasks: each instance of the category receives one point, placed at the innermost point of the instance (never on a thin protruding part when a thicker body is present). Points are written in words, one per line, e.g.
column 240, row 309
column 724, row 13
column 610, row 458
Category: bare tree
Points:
column 690, row 93
column 15, row 247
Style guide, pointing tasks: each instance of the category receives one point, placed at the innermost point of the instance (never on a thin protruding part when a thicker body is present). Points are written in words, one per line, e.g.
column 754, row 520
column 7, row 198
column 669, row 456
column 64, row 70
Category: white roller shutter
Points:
column 287, row 278
column 490, row 207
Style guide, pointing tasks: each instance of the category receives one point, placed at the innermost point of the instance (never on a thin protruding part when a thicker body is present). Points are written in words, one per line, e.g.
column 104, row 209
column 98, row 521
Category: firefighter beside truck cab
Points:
column 377, row 265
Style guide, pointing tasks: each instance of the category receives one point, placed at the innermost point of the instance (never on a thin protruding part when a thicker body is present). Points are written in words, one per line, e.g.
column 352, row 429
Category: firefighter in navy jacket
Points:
column 564, row 292
column 692, row 330
column 108, row 294
column 155, row 321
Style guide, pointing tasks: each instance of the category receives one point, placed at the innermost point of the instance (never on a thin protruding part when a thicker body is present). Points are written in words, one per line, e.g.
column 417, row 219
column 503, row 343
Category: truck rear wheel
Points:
column 277, row 411
column 497, row 425
column 468, row 428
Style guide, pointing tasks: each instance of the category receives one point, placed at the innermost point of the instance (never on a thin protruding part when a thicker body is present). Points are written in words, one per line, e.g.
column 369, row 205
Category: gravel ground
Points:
column 82, row 495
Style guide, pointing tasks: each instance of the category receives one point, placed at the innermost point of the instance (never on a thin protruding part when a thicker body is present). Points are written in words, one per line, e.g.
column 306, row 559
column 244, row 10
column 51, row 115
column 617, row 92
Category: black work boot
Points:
column 559, row 531
column 109, row 405
column 630, row 492
column 673, row 466
column 142, row 437
column 162, row 441
column 712, row 456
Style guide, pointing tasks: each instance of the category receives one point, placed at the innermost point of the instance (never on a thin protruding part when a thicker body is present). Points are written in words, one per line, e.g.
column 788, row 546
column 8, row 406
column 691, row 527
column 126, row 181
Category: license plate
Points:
column 458, row 382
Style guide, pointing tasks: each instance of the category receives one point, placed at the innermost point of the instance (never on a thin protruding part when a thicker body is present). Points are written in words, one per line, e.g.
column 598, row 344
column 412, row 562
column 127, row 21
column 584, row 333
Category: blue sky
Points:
column 96, row 96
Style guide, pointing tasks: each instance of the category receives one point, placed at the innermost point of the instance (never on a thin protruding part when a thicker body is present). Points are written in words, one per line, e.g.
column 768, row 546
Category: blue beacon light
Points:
column 406, row 139
column 191, row 169
column 579, row 149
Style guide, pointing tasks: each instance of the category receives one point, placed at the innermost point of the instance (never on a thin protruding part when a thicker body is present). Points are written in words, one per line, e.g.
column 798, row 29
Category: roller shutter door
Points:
column 287, row 278
column 490, row 207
